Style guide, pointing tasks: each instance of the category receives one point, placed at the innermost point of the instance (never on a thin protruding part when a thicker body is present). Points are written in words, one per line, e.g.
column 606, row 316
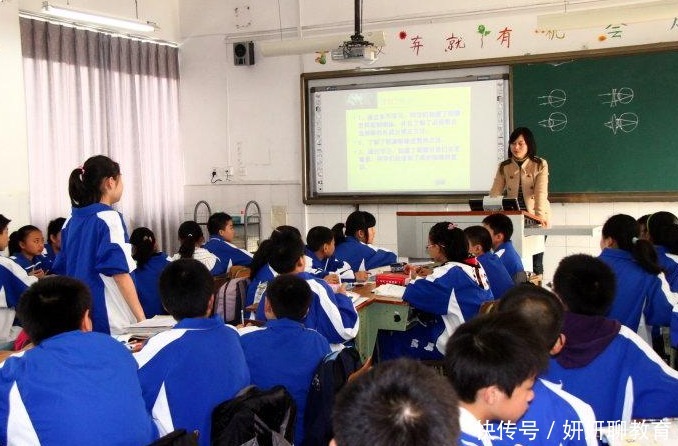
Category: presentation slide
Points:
column 436, row 138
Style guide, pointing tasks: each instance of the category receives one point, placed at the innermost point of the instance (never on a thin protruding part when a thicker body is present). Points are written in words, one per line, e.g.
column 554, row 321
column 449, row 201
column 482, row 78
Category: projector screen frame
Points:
column 423, row 74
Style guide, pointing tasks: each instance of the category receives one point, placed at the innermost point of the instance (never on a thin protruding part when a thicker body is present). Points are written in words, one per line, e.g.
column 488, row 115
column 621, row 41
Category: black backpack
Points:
column 329, row 378
column 255, row 417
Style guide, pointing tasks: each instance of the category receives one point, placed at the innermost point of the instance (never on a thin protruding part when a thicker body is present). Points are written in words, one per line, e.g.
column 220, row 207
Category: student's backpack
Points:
column 255, row 417
column 330, row 376
column 229, row 300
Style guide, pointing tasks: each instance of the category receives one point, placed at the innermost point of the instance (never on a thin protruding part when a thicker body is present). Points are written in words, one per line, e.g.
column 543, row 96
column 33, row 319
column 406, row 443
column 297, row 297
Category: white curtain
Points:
column 91, row 93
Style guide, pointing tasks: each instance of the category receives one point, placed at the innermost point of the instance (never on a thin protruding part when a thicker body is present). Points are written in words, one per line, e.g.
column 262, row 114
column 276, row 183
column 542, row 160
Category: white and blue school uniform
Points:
column 95, row 247
column 146, row 280
column 472, row 433
column 669, row 263
column 499, row 278
column 285, row 353
column 227, row 252
column 257, row 287
column 554, row 418
column 449, row 296
column 510, row 258
column 331, row 265
column 362, row 256
column 73, row 388
column 49, row 252
column 208, row 259
column 330, row 314
column 13, row 282
column 611, row 368
column 30, row 265
column 186, row 371
column 639, row 293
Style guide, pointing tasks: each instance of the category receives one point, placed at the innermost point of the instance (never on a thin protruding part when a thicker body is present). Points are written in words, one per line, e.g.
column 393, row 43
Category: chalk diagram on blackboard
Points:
column 626, row 122
column 556, row 98
column 615, row 97
column 555, row 122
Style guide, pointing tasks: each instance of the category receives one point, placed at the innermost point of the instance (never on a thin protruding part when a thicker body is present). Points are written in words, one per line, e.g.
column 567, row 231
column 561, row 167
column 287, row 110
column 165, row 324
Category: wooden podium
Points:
column 413, row 228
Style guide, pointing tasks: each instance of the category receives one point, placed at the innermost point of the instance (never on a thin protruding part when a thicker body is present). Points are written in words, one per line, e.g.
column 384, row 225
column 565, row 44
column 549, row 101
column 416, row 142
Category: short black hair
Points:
column 317, row 236
column 479, row 235
column 496, row 349
column 500, row 224
column 54, row 227
column 398, row 403
column 290, row 296
column 537, row 305
column 53, row 305
column 217, row 222
column 285, row 251
column 4, row 221
column 585, row 284
column 186, row 286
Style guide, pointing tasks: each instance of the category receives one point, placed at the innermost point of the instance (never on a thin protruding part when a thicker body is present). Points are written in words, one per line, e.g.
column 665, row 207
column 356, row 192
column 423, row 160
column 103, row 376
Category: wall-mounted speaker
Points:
column 243, row 53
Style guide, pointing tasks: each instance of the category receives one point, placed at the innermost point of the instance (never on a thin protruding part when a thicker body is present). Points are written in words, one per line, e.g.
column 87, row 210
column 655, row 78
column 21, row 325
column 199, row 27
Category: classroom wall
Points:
column 249, row 117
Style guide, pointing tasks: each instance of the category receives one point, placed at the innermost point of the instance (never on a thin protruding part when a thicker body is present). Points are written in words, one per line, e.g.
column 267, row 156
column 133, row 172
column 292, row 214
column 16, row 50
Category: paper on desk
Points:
column 356, row 298
column 156, row 321
column 389, row 289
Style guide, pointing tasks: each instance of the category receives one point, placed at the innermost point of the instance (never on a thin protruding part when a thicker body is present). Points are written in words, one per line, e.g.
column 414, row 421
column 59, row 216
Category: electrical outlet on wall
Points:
column 216, row 175
column 229, row 171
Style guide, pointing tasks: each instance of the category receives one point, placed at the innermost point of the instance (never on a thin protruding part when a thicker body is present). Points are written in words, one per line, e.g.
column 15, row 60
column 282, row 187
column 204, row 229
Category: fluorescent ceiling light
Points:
column 96, row 19
column 589, row 18
column 310, row 45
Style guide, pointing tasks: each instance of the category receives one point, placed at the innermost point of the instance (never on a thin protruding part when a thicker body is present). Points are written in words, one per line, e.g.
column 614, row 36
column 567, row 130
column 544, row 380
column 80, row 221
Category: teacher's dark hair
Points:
column 529, row 140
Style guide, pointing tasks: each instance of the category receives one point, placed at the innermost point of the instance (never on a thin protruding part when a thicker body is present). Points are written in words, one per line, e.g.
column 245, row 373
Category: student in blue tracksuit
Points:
column 480, row 245
column 642, row 289
column 26, row 245
column 354, row 245
column 662, row 231
column 260, row 271
column 285, row 352
column 222, row 232
column 191, row 238
column 95, row 248
column 401, row 402
column 603, row 362
column 150, row 263
column 447, row 296
column 13, row 278
column 74, row 386
column 501, row 230
column 320, row 259
column 186, row 371
column 492, row 362
column 53, row 245
column 331, row 314
column 555, row 417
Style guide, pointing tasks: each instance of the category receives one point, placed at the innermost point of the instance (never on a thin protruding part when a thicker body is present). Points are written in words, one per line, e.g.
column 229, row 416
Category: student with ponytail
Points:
column 150, row 264
column 446, row 296
column 95, row 247
column 191, row 238
column 354, row 245
column 642, row 289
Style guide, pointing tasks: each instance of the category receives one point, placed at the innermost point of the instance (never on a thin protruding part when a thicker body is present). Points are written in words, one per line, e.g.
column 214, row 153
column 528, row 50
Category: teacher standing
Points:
column 525, row 176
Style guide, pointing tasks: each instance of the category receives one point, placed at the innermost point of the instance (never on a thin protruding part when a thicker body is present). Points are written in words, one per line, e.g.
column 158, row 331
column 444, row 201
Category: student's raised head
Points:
column 190, row 236
column 4, row 232
column 54, row 305
column 263, row 252
column 500, row 228
column 528, row 137
column 27, row 239
column 143, row 244
column 398, row 403
column 447, row 243
column 479, row 239
column 97, row 178
column 359, row 224
column 186, row 289
column 286, row 253
column 288, row 296
column 320, row 238
column 538, row 306
column 221, row 224
column 54, row 232
column 585, row 284
column 492, row 361
column 623, row 232
column 662, row 228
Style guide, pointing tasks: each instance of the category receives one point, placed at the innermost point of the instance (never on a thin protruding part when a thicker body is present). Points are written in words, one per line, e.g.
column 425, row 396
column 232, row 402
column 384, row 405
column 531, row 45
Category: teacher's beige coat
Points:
column 534, row 177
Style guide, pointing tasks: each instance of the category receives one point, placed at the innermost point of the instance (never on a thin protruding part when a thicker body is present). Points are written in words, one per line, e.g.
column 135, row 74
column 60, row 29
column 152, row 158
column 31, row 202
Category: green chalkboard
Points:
column 605, row 125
